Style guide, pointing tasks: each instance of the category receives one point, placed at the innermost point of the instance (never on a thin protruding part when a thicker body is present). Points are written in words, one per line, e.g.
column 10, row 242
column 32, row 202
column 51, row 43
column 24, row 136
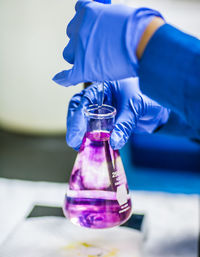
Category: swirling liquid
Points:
column 98, row 193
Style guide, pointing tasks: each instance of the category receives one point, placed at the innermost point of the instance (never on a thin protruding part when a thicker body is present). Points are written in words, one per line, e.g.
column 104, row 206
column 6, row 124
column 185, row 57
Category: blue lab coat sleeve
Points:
column 178, row 127
column 169, row 72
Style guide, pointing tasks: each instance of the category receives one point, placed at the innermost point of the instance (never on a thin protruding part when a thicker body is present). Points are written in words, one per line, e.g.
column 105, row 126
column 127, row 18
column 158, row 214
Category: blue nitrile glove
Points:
column 136, row 113
column 103, row 42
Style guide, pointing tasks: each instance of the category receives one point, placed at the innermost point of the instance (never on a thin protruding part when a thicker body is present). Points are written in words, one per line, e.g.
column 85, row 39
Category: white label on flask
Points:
column 123, row 210
column 122, row 194
column 114, row 174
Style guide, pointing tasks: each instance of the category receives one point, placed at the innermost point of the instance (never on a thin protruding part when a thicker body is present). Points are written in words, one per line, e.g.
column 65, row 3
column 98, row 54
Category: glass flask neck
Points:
column 100, row 119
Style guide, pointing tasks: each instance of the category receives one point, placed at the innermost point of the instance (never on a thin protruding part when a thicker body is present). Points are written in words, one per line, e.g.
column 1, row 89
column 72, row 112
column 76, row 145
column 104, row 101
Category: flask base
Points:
column 96, row 213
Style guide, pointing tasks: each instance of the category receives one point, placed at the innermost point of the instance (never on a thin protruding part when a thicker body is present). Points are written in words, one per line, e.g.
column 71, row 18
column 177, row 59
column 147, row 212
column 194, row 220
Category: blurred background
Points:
column 33, row 108
column 33, row 116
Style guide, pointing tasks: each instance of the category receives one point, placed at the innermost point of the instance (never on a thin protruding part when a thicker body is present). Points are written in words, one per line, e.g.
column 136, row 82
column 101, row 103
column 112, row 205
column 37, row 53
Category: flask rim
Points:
column 110, row 111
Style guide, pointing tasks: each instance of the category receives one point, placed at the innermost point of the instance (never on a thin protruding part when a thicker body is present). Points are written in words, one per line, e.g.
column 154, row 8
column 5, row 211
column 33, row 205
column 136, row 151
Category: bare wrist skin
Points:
column 155, row 24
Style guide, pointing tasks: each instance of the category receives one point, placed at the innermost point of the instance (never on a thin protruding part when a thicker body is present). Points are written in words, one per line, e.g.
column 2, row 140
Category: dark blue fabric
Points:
column 159, row 179
column 169, row 73
column 165, row 152
column 176, row 126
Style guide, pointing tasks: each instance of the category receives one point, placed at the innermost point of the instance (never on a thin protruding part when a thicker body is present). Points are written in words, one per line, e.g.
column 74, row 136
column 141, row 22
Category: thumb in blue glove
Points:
column 101, row 37
column 136, row 113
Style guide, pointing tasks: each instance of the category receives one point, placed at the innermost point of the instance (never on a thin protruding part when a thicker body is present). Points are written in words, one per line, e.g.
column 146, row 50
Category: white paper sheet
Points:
column 172, row 219
column 57, row 237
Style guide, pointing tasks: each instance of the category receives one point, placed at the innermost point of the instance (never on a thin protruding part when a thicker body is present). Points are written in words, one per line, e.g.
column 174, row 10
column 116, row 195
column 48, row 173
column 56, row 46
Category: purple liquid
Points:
column 98, row 192
column 95, row 213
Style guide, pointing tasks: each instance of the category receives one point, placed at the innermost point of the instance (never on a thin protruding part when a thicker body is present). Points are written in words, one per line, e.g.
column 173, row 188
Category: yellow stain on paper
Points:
column 87, row 245
column 112, row 253
column 82, row 246
column 76, row 245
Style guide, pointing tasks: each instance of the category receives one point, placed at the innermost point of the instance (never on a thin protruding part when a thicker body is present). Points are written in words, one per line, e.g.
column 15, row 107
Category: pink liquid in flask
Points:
column 98, row 195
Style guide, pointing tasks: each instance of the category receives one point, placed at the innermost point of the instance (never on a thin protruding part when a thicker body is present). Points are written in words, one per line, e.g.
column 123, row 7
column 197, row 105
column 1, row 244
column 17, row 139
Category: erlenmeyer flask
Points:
column 98, row 195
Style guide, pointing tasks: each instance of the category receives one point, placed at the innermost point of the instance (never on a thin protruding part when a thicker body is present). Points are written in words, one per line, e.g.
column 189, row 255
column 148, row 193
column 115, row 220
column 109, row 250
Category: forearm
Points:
column 169, row 72
column 153, row 26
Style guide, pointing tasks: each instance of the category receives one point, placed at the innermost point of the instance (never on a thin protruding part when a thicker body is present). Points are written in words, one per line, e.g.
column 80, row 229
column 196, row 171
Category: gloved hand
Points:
column 136, row 113
column 103, row 42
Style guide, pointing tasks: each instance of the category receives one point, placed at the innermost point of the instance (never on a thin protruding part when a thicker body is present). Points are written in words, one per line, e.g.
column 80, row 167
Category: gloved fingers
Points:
column 153, row 116
column 89, row 96
column 85, row 97
column 123, row 128
column 75, row 101
column 91, row 93
column 108, row 93
column 69, row 52
column 76, row 122
column 81, row 3
column 71, row 26
column 72, row 31
column 156, row 117
column 68, row 78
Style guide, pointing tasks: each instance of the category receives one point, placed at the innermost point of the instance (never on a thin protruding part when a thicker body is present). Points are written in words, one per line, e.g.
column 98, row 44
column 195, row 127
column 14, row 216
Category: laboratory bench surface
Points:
column 171, row 220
